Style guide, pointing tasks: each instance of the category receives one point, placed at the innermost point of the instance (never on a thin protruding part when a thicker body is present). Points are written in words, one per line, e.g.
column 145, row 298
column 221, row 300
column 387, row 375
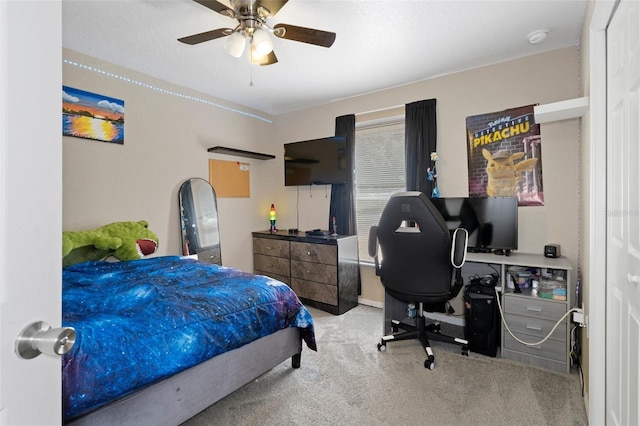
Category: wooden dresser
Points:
column 323, row 271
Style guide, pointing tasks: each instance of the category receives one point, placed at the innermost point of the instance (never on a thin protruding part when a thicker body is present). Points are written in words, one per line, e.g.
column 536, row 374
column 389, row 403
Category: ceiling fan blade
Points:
column 263, row 60
column 272, row 5
column 206, row 36
column 217, row 7
column 305, row 35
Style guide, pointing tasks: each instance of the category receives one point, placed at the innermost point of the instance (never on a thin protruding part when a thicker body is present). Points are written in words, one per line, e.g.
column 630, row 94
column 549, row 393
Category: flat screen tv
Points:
column 492, row 222
column 315, row 162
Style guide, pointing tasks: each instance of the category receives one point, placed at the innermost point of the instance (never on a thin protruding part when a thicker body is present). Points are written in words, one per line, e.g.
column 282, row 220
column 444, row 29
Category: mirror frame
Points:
column 196, row 219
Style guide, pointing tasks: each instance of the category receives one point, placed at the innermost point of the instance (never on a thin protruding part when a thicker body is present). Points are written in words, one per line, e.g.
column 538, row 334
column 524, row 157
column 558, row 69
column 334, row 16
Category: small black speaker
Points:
column 552, row 250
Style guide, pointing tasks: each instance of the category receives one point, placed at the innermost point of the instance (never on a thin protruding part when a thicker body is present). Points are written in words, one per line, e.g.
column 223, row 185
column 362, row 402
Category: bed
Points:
column 161, row 339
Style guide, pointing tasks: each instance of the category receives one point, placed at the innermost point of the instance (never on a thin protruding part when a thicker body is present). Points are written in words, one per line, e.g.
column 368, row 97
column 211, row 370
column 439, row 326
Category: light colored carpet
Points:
column 348, row 382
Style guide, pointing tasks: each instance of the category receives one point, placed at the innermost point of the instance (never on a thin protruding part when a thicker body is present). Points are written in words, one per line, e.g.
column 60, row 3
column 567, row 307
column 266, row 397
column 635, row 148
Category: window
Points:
column 380, row 173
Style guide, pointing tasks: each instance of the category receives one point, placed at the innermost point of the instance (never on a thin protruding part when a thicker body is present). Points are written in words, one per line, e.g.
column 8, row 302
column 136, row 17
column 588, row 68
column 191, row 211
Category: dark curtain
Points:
column 420, row 141
column 342, row 205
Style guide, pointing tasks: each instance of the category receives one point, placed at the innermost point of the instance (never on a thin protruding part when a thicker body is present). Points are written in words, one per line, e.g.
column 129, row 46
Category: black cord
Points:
column 576, row 354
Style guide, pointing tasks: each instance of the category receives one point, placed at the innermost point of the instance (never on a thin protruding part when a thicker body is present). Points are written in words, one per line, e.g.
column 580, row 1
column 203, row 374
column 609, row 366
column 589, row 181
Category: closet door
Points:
column 623, row 216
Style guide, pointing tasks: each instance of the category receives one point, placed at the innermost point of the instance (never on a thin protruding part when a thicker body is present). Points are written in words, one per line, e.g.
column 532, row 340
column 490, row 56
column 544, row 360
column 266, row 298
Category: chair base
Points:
column 423, row 333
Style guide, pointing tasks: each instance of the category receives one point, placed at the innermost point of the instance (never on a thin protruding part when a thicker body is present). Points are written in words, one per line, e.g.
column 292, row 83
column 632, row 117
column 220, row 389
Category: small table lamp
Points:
column 272, row 219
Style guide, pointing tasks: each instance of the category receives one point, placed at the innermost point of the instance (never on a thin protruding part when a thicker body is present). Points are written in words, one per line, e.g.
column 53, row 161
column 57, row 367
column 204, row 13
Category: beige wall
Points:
column 585, row 199
column 166, row 141
column 543, row 78
column 166, row 138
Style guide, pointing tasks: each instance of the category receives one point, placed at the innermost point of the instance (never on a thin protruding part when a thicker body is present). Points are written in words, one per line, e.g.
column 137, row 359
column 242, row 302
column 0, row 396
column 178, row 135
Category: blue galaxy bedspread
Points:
column 140, row 321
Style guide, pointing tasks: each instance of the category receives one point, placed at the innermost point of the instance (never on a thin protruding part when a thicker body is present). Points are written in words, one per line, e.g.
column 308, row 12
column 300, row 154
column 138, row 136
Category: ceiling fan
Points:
column 252, row 25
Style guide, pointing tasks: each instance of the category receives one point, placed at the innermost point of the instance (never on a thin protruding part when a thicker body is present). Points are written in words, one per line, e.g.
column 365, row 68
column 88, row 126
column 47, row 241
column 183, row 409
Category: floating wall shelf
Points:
column 240, row 153
column 563, row 110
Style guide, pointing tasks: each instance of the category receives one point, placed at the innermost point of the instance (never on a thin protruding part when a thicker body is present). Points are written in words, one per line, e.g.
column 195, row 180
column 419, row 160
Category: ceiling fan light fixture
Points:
column 257, row 57
column 235, row 44
column 262, row 41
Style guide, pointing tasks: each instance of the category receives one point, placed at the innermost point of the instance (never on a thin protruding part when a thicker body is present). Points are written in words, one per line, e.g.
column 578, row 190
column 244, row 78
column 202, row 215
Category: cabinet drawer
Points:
column 552, row 349
column 277, row 265
column 318, row 272
column 534, row 307
column 318, row 292
column 317, row 253
column 271, row 247
column 535, row 327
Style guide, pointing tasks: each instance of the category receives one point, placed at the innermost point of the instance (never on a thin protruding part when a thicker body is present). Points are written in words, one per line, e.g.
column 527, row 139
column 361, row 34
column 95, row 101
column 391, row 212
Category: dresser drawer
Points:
column 535, row 327
column 534, row 307
column 318, row 272
column 318, row 292
column 317, row 253
column 552, row 349
column 277, row 265
column 271, row 247
column 285, row 279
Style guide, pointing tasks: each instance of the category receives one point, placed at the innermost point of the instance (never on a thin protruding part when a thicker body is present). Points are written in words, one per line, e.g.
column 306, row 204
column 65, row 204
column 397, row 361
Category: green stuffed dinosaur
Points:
column 122, row 240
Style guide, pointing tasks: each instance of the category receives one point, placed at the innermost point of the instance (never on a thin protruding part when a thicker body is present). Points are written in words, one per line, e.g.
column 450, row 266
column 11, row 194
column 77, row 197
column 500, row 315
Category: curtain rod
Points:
column 379, row 110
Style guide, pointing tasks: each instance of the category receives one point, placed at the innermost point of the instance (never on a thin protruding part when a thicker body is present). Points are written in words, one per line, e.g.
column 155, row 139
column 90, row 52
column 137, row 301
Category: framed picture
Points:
column 91, row 116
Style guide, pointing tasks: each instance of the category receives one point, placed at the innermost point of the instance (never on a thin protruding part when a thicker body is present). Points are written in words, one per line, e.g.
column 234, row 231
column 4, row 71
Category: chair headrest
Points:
column 411, row 207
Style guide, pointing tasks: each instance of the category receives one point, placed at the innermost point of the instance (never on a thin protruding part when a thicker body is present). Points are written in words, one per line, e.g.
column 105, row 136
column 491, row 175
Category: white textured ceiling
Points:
column 379, row 44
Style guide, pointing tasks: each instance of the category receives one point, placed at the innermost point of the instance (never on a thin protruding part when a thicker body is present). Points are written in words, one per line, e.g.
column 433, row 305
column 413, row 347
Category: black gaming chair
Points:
column 415, row 256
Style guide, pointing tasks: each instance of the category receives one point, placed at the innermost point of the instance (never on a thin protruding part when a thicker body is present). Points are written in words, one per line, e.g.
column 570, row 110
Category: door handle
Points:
column 632, row 278
column 39, row 338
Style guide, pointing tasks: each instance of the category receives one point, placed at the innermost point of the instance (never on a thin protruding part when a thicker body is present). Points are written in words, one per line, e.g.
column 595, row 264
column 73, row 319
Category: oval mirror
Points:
column 199, row 220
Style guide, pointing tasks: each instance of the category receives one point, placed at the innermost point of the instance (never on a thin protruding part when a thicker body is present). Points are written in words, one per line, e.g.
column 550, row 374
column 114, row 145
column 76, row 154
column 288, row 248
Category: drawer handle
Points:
column 311, row 253
column 534, row 327
column 269, row 248
column 534, row 308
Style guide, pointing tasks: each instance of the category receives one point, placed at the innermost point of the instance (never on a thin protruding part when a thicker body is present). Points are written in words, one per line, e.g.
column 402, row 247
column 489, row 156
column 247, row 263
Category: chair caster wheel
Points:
column 382, row 347
column 465, row 351
column 430, row 363
column 394, row 329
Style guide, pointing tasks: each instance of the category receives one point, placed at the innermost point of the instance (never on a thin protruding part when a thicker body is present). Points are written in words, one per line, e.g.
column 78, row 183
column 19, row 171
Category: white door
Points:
column 623, row 216
column 30, row 204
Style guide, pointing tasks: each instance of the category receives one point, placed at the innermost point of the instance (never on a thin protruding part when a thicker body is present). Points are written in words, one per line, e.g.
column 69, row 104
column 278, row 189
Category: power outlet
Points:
column 578, row 317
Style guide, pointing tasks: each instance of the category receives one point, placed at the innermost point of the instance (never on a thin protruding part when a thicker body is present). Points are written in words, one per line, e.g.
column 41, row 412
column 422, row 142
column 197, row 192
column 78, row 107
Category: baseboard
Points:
column 372, row 303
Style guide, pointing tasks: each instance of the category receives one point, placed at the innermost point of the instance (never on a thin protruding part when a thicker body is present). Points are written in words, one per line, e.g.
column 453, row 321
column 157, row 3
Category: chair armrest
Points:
column 373, row 241
column 373, row 248
column 459, row 243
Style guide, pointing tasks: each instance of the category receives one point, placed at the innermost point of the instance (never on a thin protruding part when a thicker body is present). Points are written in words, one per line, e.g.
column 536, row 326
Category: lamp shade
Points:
column 262, row 42
column 235, row 44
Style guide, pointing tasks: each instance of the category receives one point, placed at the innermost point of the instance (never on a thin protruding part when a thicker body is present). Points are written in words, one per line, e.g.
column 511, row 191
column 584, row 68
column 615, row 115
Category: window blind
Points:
column 380, row 172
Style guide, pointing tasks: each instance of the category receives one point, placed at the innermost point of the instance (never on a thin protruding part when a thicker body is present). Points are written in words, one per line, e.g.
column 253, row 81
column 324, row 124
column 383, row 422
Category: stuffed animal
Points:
column 122, row 240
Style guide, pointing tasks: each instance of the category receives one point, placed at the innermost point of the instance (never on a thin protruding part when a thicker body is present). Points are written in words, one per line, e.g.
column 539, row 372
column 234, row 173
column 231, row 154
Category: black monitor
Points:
column 492, row 222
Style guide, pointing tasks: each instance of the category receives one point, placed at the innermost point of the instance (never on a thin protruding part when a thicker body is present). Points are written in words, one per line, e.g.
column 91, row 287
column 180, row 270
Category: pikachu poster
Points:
column 505, row 156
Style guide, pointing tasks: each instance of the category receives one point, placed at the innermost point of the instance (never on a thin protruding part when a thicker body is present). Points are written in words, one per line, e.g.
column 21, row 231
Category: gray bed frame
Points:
column 182, row 396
